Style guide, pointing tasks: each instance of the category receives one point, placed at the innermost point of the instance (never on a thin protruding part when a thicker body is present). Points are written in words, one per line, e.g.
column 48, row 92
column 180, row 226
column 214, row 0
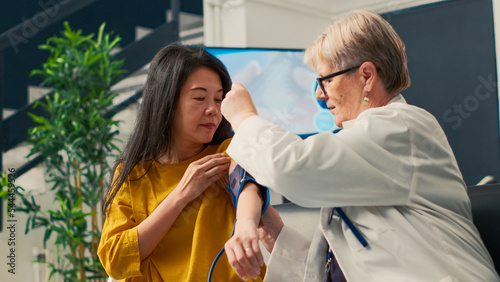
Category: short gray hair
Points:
column 359, row 37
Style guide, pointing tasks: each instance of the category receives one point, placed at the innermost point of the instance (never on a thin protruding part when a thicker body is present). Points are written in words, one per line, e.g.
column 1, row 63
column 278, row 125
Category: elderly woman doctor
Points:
column 402, row 211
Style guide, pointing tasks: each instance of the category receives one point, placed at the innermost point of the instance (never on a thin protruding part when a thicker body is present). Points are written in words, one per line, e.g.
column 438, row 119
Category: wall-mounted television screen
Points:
column 281, row 85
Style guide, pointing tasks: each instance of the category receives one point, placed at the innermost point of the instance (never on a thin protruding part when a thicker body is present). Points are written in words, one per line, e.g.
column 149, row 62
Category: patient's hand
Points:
column 243, row 250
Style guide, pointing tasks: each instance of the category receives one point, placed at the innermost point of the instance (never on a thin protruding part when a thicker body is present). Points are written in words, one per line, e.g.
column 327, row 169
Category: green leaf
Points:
column 38, row 119
column 4, row 193
column 27, row 228
column 101, row 32
column 37, row 72
column 46, row 236
column 77, row 203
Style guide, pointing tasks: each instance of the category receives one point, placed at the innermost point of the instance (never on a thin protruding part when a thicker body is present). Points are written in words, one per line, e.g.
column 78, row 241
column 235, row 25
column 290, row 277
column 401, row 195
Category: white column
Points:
column 225, row 23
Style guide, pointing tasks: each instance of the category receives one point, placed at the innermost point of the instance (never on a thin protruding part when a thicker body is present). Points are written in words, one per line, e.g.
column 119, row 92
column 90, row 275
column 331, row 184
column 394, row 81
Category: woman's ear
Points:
column 369, row 74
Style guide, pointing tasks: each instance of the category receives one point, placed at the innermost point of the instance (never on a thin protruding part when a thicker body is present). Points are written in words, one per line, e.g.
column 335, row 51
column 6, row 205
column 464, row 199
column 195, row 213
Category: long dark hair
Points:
column 152, row 134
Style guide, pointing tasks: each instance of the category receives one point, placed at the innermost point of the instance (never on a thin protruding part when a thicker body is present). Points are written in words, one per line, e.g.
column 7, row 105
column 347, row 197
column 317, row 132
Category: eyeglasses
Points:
column 321, row 79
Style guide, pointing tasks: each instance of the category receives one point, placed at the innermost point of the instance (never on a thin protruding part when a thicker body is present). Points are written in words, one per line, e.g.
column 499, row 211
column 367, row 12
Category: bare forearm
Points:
column 249, row 203
column 242, row 249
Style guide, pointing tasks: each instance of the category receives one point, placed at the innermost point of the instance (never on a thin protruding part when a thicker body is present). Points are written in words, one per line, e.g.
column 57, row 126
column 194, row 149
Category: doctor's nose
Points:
column 320, row 95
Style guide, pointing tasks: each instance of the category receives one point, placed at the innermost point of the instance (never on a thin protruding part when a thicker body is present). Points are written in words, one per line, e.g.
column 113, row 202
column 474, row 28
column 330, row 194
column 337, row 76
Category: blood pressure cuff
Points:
column 237, row 180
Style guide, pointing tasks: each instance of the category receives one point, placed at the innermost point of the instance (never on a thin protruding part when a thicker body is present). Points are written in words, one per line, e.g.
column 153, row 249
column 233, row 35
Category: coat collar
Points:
column 397, row 99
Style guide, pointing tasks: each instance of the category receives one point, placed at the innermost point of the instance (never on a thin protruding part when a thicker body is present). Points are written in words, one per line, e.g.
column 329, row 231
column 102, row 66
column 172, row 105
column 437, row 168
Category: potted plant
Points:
column 75, row 138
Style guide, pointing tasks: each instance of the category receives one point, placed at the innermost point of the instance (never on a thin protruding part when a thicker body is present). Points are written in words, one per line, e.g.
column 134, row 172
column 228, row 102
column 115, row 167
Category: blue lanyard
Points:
column 351, row 226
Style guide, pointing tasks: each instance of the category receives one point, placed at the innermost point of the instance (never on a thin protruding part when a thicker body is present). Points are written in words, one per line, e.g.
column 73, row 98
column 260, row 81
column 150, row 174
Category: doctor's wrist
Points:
column 236, row 121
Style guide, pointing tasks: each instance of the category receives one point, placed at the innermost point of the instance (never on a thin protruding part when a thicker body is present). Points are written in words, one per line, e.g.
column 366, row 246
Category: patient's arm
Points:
column 242, row 249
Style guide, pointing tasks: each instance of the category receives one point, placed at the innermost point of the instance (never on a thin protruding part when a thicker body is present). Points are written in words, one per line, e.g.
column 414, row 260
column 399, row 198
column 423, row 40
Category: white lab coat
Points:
column 395, row 176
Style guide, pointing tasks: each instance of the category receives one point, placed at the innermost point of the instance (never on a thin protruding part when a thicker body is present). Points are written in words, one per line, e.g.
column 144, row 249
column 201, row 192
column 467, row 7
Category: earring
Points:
column 365, row 101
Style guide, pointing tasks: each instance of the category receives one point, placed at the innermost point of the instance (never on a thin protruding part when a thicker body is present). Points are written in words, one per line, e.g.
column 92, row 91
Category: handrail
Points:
column 49, row 16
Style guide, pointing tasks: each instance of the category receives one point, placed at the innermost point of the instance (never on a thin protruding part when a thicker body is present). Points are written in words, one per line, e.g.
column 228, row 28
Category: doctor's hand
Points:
column 238, row 105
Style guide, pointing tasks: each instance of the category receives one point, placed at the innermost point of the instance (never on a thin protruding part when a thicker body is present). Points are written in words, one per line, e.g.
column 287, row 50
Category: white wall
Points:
column 26, row 247
column 281, row 23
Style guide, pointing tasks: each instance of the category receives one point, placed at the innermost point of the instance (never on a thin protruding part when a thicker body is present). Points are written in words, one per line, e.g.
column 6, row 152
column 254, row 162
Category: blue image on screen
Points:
column 281, row 85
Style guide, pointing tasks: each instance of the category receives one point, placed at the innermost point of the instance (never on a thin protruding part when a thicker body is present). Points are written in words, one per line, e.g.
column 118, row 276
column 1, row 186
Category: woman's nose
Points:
column 212, row 109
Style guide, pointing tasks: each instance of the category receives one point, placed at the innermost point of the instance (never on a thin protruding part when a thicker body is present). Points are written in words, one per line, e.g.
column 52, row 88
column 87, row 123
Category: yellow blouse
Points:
column 192, row 243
